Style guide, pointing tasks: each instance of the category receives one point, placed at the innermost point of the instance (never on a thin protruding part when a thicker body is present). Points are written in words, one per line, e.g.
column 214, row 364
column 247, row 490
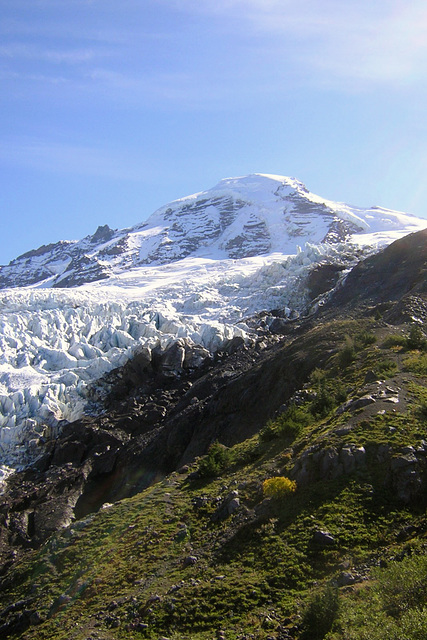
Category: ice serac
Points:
column 190, row 276
column 241, row 217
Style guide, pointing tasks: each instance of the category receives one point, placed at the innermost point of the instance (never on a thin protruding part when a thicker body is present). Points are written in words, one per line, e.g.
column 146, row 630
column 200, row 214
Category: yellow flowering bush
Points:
column 278, row 487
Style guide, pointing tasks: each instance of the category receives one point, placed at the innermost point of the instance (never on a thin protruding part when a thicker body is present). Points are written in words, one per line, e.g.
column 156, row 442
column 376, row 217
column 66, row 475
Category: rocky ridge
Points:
column 238, row 218
column 164, row 409
column 182, row 275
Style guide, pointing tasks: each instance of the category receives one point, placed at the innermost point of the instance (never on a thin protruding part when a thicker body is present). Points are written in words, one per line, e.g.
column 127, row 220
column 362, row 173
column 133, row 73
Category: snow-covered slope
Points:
column 196, row 270
column 238, row 218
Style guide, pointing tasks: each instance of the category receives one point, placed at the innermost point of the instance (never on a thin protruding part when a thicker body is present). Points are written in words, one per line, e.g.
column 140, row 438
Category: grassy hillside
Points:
column 334, row 547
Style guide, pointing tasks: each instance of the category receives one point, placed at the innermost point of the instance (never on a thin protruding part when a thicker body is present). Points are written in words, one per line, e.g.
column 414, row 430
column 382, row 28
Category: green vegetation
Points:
column 395, row 340
column 320, row 614
column 416, row 363
column 347, row 355
column 386, row 369
column 392, row 606
column 278, row 487
column 288, row 425
column 343, row 557
column 365, row 338
column 215, row 462
column 415, row 339
column 324, row 401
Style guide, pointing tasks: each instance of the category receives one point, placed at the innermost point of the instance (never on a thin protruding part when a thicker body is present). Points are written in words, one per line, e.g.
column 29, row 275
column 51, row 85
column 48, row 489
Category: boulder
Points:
column 346, row 578
column 323, row 538
column 195, row 356
column 355, row 403
column 228, row 506
column 347, row 459
column 370, row 376
column 190, row 561
column 237, row 342
column 172, row 359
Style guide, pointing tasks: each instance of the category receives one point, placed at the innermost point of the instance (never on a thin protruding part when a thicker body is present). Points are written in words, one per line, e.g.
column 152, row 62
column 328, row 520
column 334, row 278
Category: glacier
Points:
column 198, row 270
column 238, row 218
column 55, row 344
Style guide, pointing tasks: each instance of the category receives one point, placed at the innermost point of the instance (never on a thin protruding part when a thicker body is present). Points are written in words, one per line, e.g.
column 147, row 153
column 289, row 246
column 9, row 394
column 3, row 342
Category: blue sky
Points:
column 111, row 109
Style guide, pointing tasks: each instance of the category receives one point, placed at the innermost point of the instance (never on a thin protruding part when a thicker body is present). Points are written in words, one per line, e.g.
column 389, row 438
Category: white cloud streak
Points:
column 55, row 56
column 334, row 41
column 66, row 158
column 271, row 44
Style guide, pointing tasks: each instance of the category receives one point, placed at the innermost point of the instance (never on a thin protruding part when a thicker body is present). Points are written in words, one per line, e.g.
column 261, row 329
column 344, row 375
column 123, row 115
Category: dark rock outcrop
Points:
column 164, row 409
column 397, row 271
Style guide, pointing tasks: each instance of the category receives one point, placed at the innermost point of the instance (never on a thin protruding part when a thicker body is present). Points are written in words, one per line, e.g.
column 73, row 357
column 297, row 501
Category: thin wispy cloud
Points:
column 160, row 86
column 178, row 90
column 67, row 158
column 223, row 53
column 331, row 41
column 390, row 50
column 20, row 51
column 129, row 64
column 48, row 82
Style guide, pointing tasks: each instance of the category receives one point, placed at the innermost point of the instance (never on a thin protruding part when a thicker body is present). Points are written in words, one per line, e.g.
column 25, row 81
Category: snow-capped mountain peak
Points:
column 238, row 218
column 191, row 275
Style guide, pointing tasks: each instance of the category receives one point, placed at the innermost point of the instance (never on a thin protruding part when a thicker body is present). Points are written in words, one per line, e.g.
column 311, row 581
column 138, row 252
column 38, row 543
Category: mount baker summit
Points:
column 198, row 274
column 241, row 217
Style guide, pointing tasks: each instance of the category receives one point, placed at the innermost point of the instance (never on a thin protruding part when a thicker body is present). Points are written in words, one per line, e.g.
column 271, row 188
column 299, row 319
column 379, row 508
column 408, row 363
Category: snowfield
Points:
column 55, row 343
column 238, row 218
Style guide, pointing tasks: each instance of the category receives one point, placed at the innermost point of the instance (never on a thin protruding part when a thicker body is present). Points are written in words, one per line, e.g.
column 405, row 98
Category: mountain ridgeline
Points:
column 272, row 488
column 238, row 218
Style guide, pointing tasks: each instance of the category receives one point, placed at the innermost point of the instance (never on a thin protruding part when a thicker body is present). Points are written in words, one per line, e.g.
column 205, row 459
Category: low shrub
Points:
column 328, row 395
column 288, row 424
column 416, row 338
column 320, row 614
column 323, row 403
column 292, row 421
column 269, row 432
column 386, row 368
column 317, row 376
column 347, row 354
column 278, row 487
column 421, row 411
column 395, row 340
column 215, row 461
column 416, row 363
column 414, row 624
column 365, row 338
column 395, row 607
column 402, row 586
column 340, row 394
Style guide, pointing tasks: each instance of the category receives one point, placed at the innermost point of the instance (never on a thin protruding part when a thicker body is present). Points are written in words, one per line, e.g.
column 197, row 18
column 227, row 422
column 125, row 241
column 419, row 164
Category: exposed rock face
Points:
column 161, row 413
column 228, row 506
column 408, row 309
column 103, row 233
column 323, row 538
column 36, row 504
column 166, row 408
column 17, row 617
column 240, row 217
column 323, row 279
column 403, row 472
column 398, row 271
column 328, row 463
